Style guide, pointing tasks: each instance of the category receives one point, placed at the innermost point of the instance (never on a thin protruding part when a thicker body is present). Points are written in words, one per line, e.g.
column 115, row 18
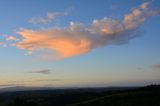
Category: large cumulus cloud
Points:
column 78, row 39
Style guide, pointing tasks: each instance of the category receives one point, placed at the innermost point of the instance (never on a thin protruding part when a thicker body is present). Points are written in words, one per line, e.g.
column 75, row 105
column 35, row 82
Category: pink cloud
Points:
column 138, row 15
column 78, row 39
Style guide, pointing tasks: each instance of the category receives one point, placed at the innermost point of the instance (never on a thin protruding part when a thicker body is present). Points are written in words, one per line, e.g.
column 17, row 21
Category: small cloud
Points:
column 157, row 66
column 50, row 17
column 11, row 38
column 6, row 38
column 3, row 44
column 46, row 80
column 44, row 71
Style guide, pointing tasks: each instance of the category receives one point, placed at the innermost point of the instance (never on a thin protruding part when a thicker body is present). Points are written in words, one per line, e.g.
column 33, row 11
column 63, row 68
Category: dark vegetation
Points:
column 142, row 96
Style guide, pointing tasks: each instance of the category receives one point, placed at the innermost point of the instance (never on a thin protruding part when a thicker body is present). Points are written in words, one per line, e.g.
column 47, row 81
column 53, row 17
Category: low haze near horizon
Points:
column 60, row 43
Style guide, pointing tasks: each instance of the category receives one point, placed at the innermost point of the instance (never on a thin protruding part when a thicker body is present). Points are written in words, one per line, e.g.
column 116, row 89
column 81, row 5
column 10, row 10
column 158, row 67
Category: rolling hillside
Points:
column 142, row 96
column 146, row 96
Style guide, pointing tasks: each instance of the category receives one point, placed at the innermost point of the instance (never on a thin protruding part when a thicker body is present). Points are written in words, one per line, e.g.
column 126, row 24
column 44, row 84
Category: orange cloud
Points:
column 65, row 43
column 79, row 39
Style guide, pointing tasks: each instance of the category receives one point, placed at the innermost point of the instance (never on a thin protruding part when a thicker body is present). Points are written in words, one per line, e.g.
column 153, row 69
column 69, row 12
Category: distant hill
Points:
column 22, row 88
column 112, row 96
column 84, row 89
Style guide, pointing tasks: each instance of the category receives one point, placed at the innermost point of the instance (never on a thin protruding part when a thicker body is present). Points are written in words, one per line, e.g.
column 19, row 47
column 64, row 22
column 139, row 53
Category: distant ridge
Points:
column 24, row 88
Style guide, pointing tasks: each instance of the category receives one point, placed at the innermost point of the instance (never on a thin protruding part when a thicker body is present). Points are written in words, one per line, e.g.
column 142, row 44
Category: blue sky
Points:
column 40, row 43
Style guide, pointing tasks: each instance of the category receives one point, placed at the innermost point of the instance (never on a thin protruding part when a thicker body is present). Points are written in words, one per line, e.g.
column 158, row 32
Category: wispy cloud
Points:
column 46, row 80
column 157, row 66
column 11, row 38
column 44, row 71
column 50, row 17
column 32, row 81
column 10, row 85
column 3, row 44
column 79, row 39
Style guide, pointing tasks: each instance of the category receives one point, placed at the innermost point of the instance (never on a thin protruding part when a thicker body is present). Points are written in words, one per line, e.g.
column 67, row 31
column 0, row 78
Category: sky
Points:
column 60, row 43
